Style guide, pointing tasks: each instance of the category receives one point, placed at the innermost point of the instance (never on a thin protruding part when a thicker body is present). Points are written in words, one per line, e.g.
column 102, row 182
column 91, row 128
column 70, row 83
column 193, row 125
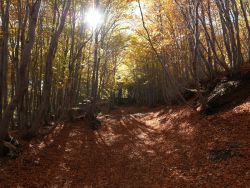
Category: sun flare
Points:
column 94, row 18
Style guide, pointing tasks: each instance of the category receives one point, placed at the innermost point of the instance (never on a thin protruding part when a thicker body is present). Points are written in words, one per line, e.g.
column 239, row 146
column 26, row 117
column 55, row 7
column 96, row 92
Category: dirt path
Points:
column 139, row 147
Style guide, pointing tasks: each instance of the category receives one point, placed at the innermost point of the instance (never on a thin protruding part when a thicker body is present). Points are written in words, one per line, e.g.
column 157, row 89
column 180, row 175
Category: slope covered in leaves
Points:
column 140, row 147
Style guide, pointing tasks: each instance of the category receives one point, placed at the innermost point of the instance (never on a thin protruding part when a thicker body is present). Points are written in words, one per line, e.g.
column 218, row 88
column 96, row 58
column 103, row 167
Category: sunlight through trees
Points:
column 56, row 55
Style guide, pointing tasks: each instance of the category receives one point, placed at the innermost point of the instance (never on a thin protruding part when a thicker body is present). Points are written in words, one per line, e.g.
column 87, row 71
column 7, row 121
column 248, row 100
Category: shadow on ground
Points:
column 139, row 147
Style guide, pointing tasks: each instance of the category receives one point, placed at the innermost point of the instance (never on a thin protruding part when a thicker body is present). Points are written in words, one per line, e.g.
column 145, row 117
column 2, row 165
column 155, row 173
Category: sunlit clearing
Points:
column 94, row 18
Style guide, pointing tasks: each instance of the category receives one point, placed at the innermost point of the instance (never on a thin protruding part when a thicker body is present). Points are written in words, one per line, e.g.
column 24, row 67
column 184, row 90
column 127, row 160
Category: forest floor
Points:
column 139, row 147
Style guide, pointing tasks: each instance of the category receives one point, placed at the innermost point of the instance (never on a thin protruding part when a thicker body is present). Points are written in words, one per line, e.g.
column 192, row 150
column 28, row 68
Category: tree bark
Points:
column 25, row 61
column 46, row 96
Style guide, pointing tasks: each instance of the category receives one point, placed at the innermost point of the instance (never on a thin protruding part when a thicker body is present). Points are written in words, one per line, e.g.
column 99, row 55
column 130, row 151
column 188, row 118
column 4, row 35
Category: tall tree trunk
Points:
column 94, row 83
column 25, row 61
column 244, row 11
column 4, row 30
column 196, row 51
column 46, row 96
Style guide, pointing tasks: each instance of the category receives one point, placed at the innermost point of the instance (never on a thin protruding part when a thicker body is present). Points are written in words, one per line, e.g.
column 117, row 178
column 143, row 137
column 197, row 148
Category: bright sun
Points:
column 93, row 18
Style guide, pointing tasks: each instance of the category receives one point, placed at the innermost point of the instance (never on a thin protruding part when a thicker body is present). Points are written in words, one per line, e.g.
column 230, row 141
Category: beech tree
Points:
column 33, row 12
column 194, row 41
column 49, row 62
column 150, row 52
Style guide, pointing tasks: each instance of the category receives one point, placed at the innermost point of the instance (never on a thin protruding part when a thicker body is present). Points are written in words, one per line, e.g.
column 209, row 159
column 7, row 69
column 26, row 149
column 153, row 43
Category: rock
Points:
column 12, row 141
column 219, row 154
column 220, row 96
column 9, row 148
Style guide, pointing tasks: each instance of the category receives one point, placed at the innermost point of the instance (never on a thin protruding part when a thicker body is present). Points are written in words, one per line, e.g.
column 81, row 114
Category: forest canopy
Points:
column 58, row 54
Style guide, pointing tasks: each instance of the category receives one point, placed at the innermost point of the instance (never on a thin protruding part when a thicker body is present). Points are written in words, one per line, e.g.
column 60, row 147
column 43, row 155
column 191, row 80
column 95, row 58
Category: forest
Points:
column 124, row 93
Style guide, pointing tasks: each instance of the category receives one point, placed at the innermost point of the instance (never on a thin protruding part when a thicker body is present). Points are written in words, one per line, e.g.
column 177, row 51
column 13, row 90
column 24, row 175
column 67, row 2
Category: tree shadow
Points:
column 134, row 154
column 139, row 156
column 142, row 151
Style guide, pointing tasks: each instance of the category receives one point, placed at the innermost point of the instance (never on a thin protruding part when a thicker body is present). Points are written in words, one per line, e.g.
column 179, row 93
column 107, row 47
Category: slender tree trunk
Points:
column 244, row 11
column 94, row 81
column 25, row 60
column 158, row 56
column 46, row 96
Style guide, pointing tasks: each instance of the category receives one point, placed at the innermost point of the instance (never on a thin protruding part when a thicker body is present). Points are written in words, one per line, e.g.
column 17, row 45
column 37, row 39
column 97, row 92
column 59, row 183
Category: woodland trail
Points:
column 139, row 147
